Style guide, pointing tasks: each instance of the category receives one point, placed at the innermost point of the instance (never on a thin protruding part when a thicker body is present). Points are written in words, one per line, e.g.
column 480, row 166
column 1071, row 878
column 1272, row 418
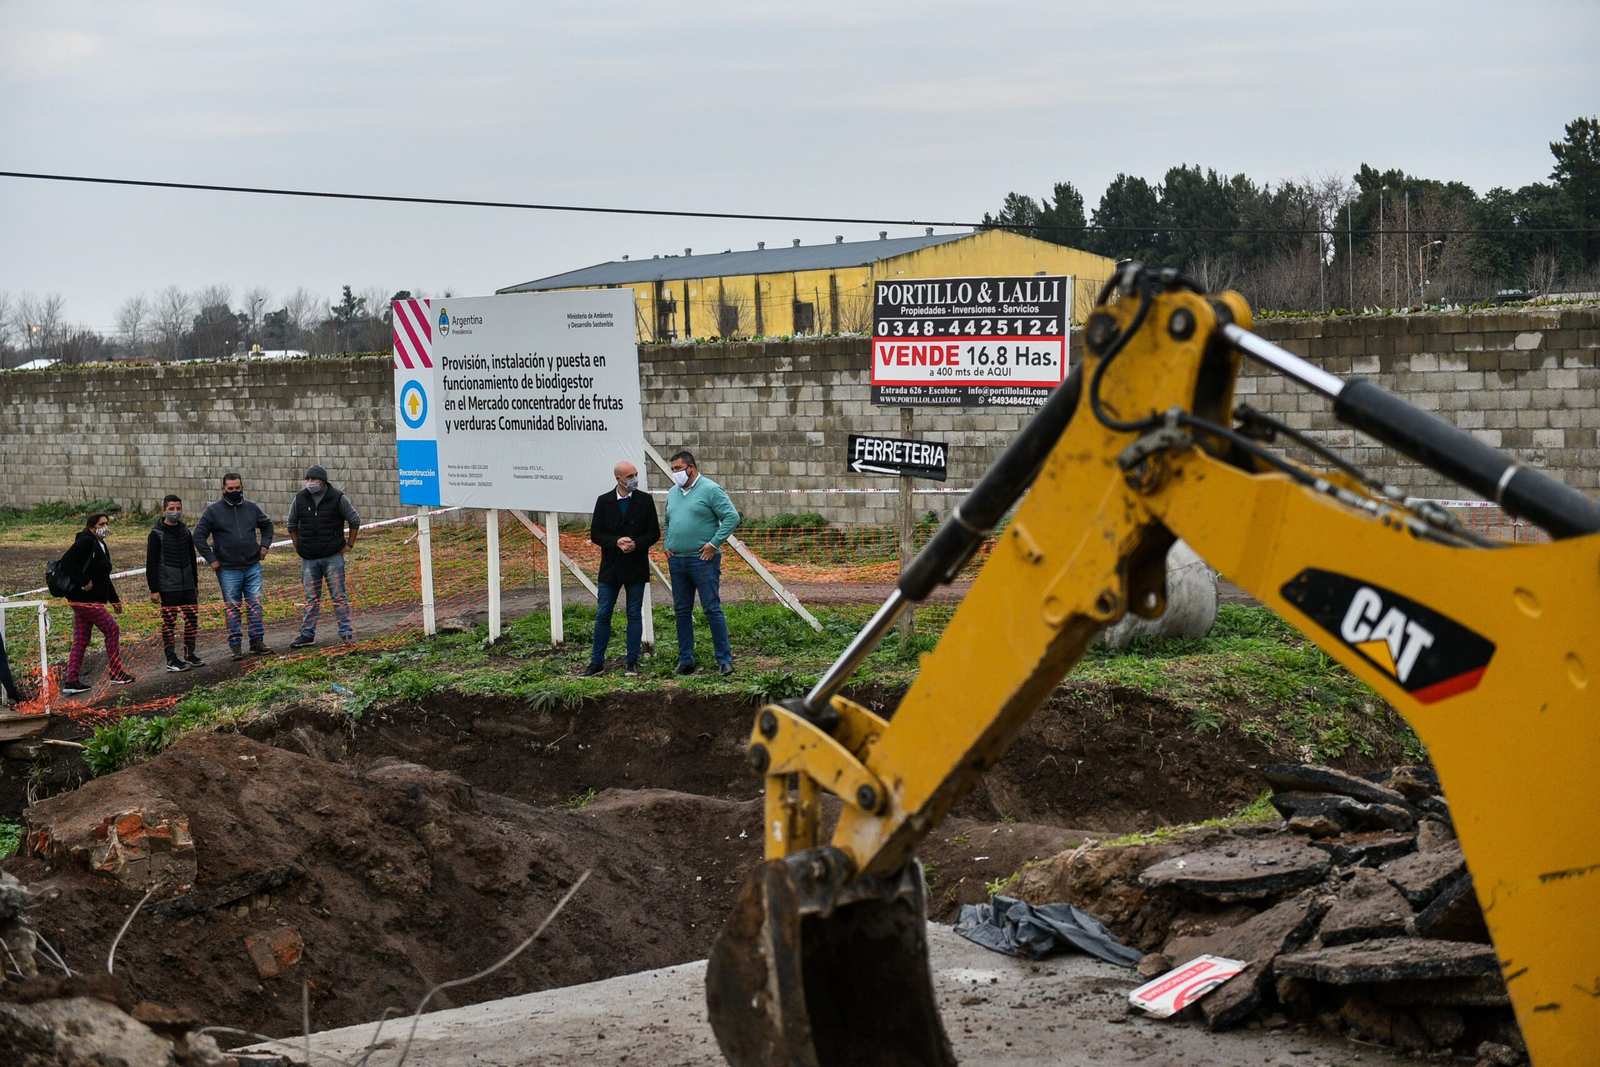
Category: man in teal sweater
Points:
column 700, row 518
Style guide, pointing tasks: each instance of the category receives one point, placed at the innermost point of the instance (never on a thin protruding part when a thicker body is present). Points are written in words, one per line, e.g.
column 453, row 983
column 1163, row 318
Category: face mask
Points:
column 235, row 497
column 313, row 488
column 680, row 478
column 631, row 482
column 174, row 517
column 101, row 531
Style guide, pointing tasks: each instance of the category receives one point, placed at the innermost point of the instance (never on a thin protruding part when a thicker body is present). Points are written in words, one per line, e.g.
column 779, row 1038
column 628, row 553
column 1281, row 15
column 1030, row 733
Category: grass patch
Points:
column 10, row 837
column 56, row 513
column 1253, row 674
column 1259, row 810
column 1256, row 674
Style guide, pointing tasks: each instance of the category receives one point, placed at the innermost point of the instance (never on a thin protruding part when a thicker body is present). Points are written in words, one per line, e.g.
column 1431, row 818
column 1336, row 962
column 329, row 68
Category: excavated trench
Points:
column 419, row 843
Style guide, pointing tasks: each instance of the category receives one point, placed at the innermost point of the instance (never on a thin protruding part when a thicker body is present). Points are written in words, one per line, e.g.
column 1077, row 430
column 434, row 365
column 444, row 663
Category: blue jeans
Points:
column 245, row 582
column 312, row 573
column 691, row 575
column 602, row 621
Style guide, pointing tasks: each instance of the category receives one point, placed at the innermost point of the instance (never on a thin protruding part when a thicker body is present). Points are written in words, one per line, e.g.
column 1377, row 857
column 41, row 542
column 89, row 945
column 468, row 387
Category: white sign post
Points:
column 522, row 402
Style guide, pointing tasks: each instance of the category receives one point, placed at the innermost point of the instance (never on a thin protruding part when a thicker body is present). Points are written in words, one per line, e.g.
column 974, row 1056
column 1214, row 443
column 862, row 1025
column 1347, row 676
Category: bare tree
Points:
column 5, row 326
column 174, row 315
column 377, row 298
column 38, row 320
column 1544, row 267
column 304, row 310
column 855, row 311
column 252, row 306
column 215, row 296
column 131, row 321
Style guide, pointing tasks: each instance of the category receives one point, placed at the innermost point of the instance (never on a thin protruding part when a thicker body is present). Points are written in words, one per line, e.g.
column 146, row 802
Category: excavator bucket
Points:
column 812, row 972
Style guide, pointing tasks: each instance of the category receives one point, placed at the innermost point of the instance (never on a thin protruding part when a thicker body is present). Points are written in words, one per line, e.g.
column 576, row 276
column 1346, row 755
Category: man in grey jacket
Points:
column 323, row 523
column 234, row 536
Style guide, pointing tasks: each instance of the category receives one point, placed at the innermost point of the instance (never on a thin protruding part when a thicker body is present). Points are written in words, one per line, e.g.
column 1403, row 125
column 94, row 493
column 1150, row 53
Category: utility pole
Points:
column 1406, row 252
column 1350, row 248
column 1381, row 190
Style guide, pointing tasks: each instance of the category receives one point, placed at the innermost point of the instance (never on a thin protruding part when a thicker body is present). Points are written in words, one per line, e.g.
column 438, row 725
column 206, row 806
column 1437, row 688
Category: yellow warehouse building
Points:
column 814, row 289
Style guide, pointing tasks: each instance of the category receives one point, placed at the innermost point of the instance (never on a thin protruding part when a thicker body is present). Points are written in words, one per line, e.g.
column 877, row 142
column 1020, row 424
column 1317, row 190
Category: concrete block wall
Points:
column 1525, row 381
column 134, row 433
column 770, row 416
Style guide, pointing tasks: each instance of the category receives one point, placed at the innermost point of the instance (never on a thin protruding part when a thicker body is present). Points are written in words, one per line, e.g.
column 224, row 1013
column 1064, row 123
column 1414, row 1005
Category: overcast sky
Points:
column 902, row 110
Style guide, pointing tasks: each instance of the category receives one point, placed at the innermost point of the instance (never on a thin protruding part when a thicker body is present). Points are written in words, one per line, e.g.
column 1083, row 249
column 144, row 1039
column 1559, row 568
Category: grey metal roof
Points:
column 747, row 261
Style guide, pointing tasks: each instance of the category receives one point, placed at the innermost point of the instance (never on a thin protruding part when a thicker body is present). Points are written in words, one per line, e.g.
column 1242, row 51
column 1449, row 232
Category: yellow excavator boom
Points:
column 1491, row 652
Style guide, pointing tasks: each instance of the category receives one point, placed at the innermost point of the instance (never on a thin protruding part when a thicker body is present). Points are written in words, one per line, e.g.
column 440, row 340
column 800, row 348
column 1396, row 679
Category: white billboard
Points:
column 518, row 401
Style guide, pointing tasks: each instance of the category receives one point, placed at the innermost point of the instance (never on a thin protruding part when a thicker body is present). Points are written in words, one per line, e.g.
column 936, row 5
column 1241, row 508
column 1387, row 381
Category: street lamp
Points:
column 1422, row 278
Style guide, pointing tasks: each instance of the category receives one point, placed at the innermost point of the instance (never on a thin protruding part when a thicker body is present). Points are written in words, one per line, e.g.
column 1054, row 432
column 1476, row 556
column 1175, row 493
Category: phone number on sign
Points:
column 952, row 359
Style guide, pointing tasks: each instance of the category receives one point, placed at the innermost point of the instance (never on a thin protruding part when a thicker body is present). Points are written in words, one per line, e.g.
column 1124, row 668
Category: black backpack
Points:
column 58, row 581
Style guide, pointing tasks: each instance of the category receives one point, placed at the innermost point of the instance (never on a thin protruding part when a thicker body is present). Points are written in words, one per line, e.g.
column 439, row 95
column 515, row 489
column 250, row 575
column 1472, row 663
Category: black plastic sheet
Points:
column 1032, row 931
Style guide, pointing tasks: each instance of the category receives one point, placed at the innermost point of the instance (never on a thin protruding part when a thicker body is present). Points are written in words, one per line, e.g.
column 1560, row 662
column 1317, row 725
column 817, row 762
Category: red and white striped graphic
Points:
column 413, row 334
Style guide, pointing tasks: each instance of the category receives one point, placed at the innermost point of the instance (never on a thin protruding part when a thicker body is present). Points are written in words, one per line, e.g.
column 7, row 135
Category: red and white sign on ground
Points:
column 1183, row 985
column 969, row 342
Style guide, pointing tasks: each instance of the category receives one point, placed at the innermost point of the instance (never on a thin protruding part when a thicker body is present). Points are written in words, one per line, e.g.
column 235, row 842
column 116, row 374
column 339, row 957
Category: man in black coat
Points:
column 170, row 572
column 624, row 526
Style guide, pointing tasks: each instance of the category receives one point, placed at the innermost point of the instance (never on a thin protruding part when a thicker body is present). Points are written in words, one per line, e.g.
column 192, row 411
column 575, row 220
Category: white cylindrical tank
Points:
column 1191, row 603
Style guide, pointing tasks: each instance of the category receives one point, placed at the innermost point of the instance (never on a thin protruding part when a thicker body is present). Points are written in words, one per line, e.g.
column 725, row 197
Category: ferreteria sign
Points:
column 888, row 455
column 521, row 401
column 969, row 342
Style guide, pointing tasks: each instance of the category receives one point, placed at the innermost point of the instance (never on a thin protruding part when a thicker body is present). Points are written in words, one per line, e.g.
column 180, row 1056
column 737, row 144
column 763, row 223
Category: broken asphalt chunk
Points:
column 1454, row 914
column 1309, row 778
column 1368, row 907
column 1352, row 814
column 1421, row 875
column 1390, row 959
column 1241, row 870
column 1368, row 849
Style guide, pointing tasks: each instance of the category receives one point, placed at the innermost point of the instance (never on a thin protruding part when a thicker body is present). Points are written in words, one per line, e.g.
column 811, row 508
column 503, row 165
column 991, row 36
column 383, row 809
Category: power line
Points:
column 755, row 217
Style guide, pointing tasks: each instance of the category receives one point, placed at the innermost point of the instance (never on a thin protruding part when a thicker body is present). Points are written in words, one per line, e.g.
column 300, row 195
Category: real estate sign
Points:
column 519, row 401
column 969, row 342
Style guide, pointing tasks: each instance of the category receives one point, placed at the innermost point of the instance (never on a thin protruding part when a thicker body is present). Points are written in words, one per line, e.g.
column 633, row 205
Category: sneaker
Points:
column 259, row 648
column 235, row 652
column 175, row 664
column 302, row 642
column 726, row 669
column 631, row 671
column 686, row 668
column 120, row 679
column 593, row 669
column 347, row 639
column 193, row 660
column 72, row 689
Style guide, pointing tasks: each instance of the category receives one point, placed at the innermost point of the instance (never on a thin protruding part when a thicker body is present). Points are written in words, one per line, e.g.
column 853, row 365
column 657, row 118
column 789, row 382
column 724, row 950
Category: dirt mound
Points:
column 370, row 886
column 670, row 740
column 1094, row 757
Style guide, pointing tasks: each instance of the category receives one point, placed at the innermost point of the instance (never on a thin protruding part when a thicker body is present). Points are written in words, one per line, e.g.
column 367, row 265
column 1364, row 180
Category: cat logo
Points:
column 1385, row 636
column 1430, row 656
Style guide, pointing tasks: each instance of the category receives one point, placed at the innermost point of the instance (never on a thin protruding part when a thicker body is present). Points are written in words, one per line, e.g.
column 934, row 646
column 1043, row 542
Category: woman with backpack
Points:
column 87, row 565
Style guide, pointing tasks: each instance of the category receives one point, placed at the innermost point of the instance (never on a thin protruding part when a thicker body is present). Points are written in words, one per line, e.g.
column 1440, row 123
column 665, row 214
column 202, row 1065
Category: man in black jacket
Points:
column 242, row 535
column 624, row 526
column 174, row 582
column 318, row 516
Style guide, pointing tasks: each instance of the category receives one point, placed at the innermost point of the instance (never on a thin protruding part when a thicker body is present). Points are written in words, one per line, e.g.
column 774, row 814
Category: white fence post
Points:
column 552, row 549
column 425, row 553
column 492, row 524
